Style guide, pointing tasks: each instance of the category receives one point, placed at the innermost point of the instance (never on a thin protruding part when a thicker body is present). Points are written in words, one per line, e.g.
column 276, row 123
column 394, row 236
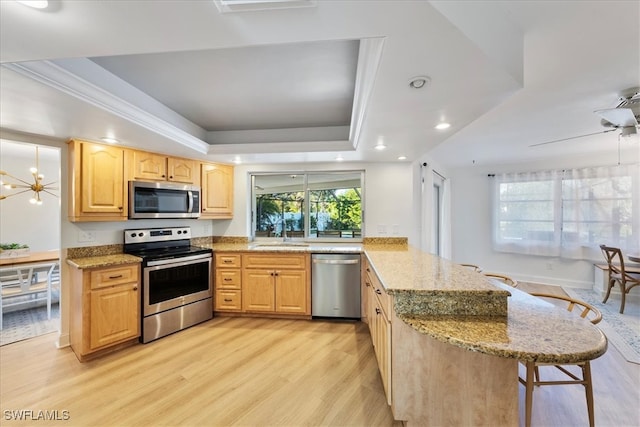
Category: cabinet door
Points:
column 102, row 179
column 258, row 290
column 149, row 166
column 217, row 190
column 114, row 315
column 291, row 291
column 181, row 170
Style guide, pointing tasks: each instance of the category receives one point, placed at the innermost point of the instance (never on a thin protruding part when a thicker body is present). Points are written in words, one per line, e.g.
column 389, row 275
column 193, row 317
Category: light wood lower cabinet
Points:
column 105, row 308
column 379, row 312
column 227, row 282
column 262, row 283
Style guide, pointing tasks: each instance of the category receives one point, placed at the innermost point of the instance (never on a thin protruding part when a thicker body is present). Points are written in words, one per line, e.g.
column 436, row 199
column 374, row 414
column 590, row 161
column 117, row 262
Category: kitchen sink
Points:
column 279, row 244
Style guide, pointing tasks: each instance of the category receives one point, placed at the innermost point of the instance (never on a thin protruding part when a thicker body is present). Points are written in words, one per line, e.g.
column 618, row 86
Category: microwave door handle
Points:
column 190, row 208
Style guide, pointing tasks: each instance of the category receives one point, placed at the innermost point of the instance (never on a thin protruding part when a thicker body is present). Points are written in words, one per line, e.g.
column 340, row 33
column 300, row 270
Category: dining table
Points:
column 30, row 258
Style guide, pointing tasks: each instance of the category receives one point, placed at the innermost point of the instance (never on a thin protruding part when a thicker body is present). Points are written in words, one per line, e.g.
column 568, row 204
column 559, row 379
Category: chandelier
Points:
column 36, row 184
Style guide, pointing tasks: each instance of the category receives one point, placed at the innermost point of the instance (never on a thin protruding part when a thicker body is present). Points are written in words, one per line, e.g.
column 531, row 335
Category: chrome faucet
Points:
column 284, row 230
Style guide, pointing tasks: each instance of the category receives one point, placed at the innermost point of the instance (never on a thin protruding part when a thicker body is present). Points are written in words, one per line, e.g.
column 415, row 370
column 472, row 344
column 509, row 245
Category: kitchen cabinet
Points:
column 217, row 191
column 379, row 315
column 157, row 167
column 105, row 309
column 227, row 282
column 276, row 283
column 97, row 189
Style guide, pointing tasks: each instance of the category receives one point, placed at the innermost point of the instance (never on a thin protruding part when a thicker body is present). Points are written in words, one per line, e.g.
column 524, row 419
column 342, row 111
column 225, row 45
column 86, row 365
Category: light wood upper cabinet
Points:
column 96, row 185
column 156, row 167
column 217, row 191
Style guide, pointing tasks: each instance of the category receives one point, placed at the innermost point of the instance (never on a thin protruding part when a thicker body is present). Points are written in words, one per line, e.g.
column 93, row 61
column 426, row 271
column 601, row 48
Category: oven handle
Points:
column 178, row 260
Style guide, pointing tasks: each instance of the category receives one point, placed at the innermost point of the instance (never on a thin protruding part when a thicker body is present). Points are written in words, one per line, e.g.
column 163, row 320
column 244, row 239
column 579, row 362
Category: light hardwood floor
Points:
column 256, row 372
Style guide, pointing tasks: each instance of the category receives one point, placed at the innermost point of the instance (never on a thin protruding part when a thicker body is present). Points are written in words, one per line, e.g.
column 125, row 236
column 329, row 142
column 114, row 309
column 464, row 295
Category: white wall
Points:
column 471, row 226
column 20, row 221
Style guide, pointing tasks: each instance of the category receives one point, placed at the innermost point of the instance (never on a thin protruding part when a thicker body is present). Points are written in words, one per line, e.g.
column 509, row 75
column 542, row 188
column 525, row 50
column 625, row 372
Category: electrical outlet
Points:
column 396, row 229
column 382, row 229
column 87, row 236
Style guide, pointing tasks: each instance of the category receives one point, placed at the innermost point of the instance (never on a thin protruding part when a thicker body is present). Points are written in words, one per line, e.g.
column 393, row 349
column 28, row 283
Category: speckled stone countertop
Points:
column 445, row 301
column 534, row 330
column 427, row 284
column 102, row 261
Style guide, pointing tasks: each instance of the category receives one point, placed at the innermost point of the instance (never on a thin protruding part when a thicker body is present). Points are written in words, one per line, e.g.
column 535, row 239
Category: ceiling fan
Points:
column 623, row 117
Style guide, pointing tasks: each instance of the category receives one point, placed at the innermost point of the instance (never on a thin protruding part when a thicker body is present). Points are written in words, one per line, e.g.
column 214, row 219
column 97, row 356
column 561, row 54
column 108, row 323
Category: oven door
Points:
column 175, row 282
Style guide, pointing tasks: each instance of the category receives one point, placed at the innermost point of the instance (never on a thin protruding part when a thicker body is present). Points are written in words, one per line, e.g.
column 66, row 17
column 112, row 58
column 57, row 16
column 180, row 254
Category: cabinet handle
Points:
column 378, row 292
column 170, row 176
column 276, row 273
column 227, row 261
column 120, row 207
column 227, row 279
column 115, row 277
column 135, row 288
column 227, row 300
column 367, row 283
column 368, row 270
column 203, row 209
column 163, row 175
column 377, row 310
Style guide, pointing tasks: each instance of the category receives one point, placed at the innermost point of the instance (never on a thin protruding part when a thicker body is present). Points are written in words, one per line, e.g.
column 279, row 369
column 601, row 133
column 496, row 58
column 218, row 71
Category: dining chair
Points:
column 472, row 267
column 26, row 284
column 532, row 379
column 617, row 274
column 501, row 277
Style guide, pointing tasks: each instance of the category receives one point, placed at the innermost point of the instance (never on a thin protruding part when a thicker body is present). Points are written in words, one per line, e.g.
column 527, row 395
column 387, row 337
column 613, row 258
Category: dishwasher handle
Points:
column 336, row 261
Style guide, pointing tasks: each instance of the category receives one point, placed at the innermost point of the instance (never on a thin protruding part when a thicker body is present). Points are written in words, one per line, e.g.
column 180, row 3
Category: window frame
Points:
column 566, row 186
column 306, row 212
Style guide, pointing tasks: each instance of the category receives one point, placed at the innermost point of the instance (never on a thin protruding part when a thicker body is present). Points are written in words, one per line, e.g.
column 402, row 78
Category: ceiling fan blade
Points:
column 572, row 137
column 621, row 117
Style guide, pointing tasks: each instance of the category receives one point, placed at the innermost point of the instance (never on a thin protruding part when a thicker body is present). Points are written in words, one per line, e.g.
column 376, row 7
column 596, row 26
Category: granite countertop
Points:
column 534, row 330
column 461, row 307
column 102, row 260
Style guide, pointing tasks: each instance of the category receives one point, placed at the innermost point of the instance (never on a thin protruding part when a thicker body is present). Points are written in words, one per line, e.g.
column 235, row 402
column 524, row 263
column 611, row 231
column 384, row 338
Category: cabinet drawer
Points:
column 228, row 279
column 114, row 276
column 378, row 290
column 228, row 260
column 228, row 300
column 275, row 261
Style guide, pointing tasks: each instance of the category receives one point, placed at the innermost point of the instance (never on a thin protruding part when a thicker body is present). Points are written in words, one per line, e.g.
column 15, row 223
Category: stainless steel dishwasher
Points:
column 335, row 285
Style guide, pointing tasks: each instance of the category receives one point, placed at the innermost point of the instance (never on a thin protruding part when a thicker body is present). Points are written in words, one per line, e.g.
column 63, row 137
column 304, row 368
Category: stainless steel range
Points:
column 176, row 280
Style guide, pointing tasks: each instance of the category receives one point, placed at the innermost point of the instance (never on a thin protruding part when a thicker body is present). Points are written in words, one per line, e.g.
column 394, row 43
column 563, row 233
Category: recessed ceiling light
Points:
column 110, row 140
column 36, row 4
column 339, row 158
column 402, row 157
column 237, row 160
column 443, row 125
column 419, row 82
column 380, row 146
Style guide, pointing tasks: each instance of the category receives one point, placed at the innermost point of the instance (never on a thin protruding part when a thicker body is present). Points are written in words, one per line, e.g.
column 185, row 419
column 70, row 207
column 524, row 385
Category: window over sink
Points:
column 307, row 205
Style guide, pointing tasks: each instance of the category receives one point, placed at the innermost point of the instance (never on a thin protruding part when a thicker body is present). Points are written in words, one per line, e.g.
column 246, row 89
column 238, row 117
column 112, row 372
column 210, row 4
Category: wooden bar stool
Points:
column 532, row 368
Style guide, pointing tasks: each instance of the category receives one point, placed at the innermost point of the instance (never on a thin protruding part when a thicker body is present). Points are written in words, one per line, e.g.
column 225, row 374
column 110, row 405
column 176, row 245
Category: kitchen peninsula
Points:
column 448, row 340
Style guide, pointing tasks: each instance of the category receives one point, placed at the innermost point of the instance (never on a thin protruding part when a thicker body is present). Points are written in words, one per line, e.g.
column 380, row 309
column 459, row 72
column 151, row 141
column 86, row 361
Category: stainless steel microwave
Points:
column 163, row 200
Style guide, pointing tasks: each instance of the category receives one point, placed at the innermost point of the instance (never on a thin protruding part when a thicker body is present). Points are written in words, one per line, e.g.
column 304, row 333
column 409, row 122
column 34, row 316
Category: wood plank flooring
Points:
column 256, row 372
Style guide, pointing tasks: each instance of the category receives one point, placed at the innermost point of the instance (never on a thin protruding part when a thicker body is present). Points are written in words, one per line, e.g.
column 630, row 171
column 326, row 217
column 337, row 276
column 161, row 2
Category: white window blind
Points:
column 567, row 213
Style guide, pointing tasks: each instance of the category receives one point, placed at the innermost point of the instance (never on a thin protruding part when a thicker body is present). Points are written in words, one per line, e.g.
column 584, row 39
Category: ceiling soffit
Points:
column 94, row 83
